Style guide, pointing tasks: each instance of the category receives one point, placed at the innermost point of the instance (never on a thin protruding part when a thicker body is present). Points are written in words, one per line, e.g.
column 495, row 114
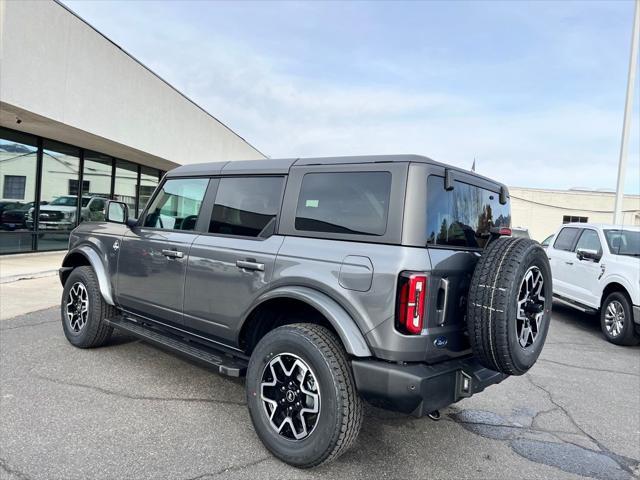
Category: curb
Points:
column 28, row 276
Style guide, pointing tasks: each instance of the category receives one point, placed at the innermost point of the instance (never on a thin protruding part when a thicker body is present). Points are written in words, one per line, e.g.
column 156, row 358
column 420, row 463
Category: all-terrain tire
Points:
column 497, row 316
column 340, row 407
column 94, row 331
column 626, row 334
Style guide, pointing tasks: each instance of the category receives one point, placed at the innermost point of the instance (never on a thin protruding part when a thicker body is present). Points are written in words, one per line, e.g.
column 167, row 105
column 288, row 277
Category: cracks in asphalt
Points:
column 232, row 468
column 582, row 367
column 628, row 464
column 130, row 396
column 5, row 467
column 555, row 449
column 548, row 447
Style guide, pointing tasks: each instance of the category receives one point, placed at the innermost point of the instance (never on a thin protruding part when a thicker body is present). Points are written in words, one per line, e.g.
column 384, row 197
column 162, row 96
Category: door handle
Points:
column 172, row 253
column 569, row 263
column 442, row 314
column 250, row 265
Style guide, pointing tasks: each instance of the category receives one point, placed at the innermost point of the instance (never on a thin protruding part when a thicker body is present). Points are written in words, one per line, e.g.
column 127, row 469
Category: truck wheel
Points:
column 301, row 395
column 616, row 320
column 509, row 305
column 83, row 310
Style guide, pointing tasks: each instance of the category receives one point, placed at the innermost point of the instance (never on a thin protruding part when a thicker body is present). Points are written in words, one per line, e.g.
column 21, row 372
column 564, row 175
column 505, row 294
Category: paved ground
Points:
column 24, row 296
column 31, row 265
column 131, row 411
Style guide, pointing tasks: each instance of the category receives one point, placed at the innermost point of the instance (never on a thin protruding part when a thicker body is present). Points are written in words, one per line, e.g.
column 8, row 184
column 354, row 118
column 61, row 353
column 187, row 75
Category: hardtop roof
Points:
column 281, row 166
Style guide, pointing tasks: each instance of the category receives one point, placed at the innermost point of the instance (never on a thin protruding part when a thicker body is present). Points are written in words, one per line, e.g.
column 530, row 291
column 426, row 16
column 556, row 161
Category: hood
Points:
column 57, row 208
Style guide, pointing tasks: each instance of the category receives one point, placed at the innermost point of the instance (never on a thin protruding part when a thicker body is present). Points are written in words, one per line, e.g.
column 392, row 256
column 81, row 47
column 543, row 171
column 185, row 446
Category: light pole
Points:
column 626, row 123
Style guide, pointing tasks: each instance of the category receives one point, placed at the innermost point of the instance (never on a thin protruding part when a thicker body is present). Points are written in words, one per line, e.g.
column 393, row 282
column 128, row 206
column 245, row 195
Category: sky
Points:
column 534, row 91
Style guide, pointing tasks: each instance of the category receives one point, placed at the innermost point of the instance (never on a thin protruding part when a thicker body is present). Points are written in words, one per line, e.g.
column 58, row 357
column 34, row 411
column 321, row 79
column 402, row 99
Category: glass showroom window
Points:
column 60, row 214
column 125, row 184
column 96, row 182
column 148, row 183
column 18, row 159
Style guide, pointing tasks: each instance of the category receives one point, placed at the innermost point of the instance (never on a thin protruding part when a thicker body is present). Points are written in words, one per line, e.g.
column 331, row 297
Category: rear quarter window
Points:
column 462, row 217
column 355, row 203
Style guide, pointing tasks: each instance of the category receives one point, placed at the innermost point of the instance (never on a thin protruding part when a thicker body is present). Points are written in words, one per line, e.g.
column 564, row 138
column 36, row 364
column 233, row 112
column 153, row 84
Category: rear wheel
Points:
column 302, row 396
column 83, row 310
column 616, row 320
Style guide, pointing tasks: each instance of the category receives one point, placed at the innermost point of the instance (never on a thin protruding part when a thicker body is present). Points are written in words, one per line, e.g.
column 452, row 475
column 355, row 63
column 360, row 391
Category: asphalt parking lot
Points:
column 129, row 410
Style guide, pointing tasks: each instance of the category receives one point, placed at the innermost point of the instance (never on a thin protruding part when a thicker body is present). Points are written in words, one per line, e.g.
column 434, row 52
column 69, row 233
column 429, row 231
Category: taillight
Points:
column 411, row 294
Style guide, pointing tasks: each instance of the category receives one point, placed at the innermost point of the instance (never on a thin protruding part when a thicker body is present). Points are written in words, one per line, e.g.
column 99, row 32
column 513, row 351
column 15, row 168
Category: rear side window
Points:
column 462, row 217
column 355, row 203
column 566, row 239
column 247, row 206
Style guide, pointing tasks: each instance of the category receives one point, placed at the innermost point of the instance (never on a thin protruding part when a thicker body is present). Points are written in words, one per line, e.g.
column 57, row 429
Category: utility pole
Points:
column 626, row 123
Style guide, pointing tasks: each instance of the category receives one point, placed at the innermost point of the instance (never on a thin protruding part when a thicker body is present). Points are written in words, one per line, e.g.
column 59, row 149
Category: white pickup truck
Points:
column 596, row 268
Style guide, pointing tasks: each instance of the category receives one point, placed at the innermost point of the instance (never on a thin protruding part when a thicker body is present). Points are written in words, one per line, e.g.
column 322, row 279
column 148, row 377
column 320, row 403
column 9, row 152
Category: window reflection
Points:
column 96, row 184
column 60, row 177
column 125, row 184
column 148, row 183
column 18, row 159
column 462, row 217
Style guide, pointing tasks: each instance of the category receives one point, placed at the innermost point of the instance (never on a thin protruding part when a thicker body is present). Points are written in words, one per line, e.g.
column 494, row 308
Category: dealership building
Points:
column 542, row 211
column 81, row 120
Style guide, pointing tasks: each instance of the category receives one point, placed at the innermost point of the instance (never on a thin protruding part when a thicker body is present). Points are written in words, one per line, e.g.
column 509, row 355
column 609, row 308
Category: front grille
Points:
column 51, row 216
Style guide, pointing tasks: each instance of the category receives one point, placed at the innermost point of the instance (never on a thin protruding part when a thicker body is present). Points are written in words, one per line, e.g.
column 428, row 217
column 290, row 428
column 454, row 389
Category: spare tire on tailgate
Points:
column 509, row 305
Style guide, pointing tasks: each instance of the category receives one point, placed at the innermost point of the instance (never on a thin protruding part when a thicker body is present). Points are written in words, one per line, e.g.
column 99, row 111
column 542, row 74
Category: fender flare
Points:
column 98, row 266
column 349, row 333
column 620, row 280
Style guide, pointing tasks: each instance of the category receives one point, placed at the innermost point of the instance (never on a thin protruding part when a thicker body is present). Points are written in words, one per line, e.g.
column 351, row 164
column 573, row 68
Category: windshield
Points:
column 462, row 217
column 623, row 242
column 70, row 201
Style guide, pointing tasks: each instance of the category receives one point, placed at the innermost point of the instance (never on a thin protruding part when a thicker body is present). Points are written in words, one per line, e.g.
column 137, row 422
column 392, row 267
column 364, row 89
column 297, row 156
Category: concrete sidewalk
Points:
column 29, row 265
column 29, row 282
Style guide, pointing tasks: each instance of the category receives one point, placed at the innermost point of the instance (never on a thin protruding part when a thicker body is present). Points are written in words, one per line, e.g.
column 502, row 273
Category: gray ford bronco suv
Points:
column 325, row 281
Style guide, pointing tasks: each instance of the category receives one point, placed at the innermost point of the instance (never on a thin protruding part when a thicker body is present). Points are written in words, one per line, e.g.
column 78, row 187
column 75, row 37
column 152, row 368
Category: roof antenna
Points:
column 473, row 167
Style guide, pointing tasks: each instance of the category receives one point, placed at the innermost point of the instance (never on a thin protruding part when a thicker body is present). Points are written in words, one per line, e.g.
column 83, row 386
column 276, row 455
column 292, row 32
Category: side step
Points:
column 220, row 361
column 574, row 304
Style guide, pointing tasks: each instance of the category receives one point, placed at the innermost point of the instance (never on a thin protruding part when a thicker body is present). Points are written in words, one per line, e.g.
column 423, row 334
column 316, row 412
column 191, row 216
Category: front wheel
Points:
column 616, row 320
column 301, row 395
column 83, row 310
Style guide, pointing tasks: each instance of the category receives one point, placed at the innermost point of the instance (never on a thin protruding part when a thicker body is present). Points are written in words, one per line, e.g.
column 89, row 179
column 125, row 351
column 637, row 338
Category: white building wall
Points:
column 541, row 211
column 72, row 84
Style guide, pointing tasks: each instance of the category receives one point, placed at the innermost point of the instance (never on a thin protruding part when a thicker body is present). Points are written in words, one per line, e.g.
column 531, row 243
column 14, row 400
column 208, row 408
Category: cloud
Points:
column 535, row 133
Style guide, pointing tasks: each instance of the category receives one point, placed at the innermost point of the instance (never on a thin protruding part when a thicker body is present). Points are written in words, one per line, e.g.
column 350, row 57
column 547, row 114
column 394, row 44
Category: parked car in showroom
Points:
column 15, row 218
column 325, row 281
column 61, row 213
column 596, row 268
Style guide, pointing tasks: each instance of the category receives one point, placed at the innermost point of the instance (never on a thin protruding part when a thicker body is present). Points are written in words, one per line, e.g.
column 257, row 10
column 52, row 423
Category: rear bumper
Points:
column 419, row 389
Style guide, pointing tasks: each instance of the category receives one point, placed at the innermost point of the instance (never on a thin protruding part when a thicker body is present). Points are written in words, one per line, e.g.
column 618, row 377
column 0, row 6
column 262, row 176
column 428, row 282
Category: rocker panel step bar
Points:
column 220, row 361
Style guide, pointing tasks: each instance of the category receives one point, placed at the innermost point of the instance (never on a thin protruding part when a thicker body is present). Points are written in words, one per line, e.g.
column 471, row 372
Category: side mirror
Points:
column 588, row 254
column 117, row 212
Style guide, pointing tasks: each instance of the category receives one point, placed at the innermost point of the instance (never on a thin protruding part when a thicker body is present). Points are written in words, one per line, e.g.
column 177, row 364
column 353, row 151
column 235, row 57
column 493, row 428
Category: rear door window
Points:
column 462, row 217
column 566, row 239
column 355, row 203
column 247, row 206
